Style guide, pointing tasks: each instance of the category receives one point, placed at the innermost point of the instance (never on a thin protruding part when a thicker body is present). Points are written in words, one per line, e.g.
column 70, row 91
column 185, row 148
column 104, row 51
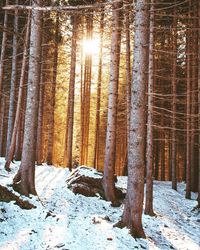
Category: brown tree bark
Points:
column 70, row 105
column 25, row 177
column 199, row 103
column 174, row 83
column 149, row 149
column 98, row 103
column 3, row 47
column 11, row 112
column 132, row 215
column 53, row 95
column 128, row 82
column 2, row 115
column 86, row 89
column 188, row 105
column 110, row 148
column 11, row 149
column 39, row 146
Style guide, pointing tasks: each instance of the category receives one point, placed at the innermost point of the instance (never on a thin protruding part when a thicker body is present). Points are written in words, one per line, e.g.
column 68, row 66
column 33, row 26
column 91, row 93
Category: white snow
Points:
column 81, row 223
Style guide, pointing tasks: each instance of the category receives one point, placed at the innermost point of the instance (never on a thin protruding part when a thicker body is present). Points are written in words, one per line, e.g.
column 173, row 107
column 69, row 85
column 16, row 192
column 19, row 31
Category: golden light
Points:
column 91, row 46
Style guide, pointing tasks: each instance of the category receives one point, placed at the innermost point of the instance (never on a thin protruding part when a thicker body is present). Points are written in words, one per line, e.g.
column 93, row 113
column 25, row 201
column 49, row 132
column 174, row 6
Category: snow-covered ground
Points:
column 82, row 223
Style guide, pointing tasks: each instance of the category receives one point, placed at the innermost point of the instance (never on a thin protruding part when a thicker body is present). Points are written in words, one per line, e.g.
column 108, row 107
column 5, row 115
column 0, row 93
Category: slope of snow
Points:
column 64, row 221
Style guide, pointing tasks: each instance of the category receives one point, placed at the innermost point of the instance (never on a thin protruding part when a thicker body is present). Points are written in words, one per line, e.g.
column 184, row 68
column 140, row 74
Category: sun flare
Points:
column 91, row 46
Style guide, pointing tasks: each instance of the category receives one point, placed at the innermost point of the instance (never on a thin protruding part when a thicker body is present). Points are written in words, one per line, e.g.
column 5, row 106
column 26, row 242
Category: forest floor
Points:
column 85, row 223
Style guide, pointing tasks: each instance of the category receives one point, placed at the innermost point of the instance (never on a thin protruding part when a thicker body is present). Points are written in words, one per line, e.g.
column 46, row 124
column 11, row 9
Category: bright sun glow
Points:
column 91, row 46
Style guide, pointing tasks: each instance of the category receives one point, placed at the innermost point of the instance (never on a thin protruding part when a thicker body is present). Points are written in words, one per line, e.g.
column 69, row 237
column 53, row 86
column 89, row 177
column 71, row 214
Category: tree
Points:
column 86, row 94
column 18, row 115
column 11, row 113
column 132, row 215
column 199, row 101
column 70, row 106
column 188, row 104
column 149, row 153
column 53, row 95
column 109, row 161
column 25, row 178
column 3, row 47
column 99, row 84
column 174, row 71
column 39, row 146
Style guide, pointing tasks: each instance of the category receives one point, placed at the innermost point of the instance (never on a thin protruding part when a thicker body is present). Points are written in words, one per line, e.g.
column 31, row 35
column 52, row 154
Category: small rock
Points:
column 107, row 218
column 109, row 238
column 60, row 245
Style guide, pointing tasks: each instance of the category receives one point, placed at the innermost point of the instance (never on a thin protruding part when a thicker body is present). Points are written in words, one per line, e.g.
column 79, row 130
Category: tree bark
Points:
column 132, row 215
column 25, row 177
column 53, row 95
column 174, row 71
column 199, row 102
column 149, row 153
column 109, row 161
column 188, row 104
column 2, row 116
column 39, row 146
column 11, row 112
column 98, row 103
column 70, row 106
column 3, row 47
column 86, row 95
column 11, row 149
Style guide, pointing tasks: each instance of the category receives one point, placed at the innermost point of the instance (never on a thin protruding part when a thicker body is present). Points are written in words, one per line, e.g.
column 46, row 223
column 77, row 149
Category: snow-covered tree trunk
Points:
column 70, row 106
column 149, row 148
column 25, row 177
column 132, row 215
column 109, row 161
column 10, row 152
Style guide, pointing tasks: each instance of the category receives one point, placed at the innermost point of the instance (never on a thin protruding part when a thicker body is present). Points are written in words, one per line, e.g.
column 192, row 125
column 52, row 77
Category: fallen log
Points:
column 89, row 182
column 6, row 196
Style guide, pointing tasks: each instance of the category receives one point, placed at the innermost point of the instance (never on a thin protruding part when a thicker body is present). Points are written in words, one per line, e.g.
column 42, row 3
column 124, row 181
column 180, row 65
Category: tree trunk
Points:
column 98, row 103
column 10, row 152
column 25, row 177
column 188, row 104
column 11, row 112
column 70, row 105
column 149, row 153
column 2, row 115
column 3, row 47
column 174, row 83
column 128, row 81
column 86, row 95
column 39, row 146
column 53, row 94
column 194, row 47
column 109, row 161
column 132, row 215
column 199, row 102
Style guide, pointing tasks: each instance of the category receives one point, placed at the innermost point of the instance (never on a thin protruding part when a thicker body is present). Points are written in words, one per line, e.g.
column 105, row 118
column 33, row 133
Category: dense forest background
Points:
column 111, row 85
